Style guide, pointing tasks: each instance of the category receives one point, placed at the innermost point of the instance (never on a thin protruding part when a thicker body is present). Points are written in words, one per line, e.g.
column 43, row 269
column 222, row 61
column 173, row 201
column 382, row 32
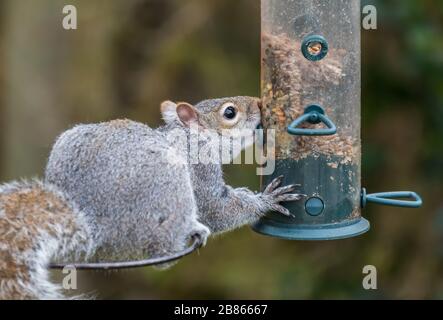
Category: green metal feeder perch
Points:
column 311, row 91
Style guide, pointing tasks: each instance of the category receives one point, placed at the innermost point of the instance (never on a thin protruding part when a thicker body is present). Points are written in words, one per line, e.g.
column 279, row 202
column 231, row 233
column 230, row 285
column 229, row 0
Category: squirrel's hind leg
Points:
column 175, row 235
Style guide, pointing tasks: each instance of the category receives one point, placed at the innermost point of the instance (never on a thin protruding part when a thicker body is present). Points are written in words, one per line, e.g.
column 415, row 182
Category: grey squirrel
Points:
column 132, row 191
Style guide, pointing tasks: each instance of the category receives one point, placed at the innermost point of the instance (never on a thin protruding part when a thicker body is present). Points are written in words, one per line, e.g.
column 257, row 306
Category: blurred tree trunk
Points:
column 54, row 77
column 148, row 44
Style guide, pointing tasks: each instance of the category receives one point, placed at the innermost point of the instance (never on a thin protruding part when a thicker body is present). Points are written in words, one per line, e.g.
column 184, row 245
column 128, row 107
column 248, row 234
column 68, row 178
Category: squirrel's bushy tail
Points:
column 37, row 226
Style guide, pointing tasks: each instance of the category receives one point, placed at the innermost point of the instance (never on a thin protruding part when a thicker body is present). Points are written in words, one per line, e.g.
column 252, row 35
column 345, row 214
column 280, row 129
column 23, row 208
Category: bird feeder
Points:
column 311, row 90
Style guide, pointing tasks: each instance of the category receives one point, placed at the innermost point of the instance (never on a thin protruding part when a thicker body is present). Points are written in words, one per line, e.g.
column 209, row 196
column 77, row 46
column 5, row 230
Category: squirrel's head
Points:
column 233, row 118
column 242, row 113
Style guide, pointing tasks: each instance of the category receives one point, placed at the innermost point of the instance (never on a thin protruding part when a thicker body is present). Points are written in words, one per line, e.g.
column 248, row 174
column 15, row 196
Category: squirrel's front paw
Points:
column 273, row 195
column 201, row 231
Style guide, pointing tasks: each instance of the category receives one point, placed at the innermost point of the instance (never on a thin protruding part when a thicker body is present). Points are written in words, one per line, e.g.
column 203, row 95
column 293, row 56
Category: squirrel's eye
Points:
column 230, row 113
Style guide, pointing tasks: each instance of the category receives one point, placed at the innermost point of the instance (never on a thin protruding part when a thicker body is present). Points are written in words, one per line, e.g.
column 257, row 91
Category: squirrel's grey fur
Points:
column 140, row 190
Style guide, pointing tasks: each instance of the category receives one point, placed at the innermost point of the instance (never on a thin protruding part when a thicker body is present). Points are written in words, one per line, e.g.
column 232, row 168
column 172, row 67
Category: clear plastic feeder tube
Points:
column 311, row 97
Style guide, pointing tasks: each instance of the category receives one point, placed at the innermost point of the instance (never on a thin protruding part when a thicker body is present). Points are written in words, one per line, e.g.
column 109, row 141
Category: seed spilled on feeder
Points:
column 287, row 74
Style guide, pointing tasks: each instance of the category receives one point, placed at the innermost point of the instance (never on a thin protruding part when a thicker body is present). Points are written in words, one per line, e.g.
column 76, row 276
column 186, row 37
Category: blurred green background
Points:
column 129, row 55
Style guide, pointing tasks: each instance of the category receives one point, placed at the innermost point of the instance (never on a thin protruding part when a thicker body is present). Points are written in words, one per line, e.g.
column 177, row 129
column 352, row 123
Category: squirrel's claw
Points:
column 276, row 194
column 201, row 231
column 281, row 209
column 283, row 190
column 290, row 197
column 273, row 185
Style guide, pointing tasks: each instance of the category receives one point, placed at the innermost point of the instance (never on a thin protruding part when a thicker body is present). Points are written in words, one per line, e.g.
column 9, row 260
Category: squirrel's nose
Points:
column 259, row 104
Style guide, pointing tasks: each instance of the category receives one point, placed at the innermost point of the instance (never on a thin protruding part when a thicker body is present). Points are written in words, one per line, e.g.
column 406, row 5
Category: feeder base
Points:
column 312, row 232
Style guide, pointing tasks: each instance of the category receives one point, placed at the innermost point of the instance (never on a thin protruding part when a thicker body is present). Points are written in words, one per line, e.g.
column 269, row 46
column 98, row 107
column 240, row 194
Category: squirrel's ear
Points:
column 169, row 111
column 186, row 113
